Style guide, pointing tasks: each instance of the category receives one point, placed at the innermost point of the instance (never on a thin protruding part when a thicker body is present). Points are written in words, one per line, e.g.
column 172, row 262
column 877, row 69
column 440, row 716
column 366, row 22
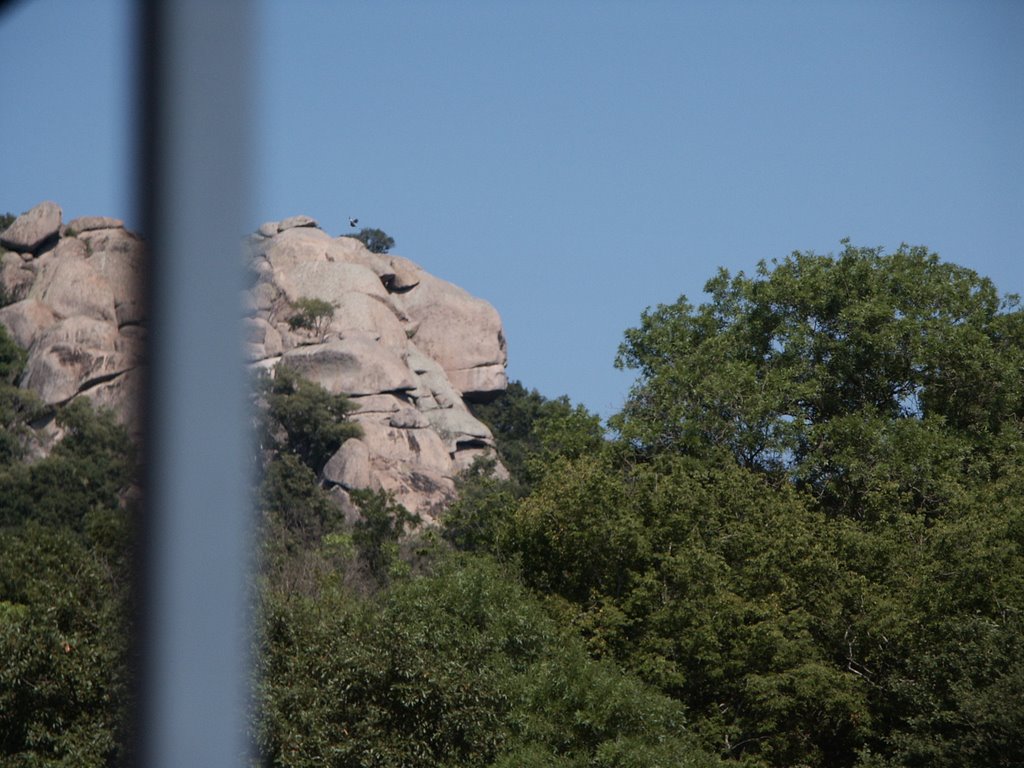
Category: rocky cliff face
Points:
column 76, row 309
column 409, row 348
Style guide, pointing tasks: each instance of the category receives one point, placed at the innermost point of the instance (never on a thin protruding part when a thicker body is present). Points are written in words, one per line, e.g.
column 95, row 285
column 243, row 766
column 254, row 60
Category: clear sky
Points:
column 575, row 162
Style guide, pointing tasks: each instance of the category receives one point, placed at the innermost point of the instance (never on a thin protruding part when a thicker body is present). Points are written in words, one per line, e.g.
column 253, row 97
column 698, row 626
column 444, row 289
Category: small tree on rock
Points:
column 376, row 535
column 375, row 240
column 312, row 315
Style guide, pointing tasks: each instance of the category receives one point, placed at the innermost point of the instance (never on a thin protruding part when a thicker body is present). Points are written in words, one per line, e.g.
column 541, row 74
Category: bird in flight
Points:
column 353, row 222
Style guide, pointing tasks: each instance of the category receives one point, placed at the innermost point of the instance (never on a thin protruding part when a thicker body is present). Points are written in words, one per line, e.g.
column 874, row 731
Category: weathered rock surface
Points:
column 73, row 286
column 351, row 366
column 15, row 277
column 26, row 320
column 70, row 301
column 409, row 348
column 33, row 228
column 459, row 331
column 73, row 355
column 87, row 223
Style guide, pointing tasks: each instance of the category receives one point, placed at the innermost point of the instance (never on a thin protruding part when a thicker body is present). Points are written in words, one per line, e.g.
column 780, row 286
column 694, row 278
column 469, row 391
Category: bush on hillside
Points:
column 312, row 315
column 375, row 240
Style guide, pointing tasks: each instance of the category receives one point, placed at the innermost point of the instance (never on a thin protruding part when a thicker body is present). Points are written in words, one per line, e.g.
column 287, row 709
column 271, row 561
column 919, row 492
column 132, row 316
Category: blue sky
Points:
column 575, row 162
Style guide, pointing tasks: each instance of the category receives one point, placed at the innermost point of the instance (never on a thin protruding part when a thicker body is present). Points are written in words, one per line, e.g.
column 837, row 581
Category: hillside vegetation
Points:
column 801, row 543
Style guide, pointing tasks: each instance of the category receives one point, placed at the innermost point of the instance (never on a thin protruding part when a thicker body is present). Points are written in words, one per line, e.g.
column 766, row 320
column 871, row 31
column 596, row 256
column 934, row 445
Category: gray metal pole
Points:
column 196, row 531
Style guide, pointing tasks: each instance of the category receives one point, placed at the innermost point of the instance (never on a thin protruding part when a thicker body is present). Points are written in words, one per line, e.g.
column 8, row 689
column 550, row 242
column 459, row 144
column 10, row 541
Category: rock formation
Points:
column 409, row 348
column 73, row 301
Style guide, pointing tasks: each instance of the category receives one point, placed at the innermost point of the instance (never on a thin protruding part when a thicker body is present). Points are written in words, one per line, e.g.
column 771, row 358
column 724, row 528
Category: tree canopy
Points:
column 65, row 569
column 807, row 526
column 825, row 369
column 375, row 240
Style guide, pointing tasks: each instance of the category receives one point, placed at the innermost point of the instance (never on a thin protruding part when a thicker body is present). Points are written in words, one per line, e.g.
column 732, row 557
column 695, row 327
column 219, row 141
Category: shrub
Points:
column 311, row 314
column 376, row 535
column 304, row 419
column 375, row 240
column 87, row 470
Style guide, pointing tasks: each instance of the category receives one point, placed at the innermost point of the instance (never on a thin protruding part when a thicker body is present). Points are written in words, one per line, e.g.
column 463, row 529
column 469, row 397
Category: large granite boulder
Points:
column 89, row 223
column 71, row 356
column 73, row 286
column 118, row 257
column 26, row 320
column 364, row 314
column 15, row 276
column 33, row 228
column 459, row 331
column 351, row 366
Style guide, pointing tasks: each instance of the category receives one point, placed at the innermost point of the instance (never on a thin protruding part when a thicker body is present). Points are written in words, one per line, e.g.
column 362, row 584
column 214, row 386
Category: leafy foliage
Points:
column 375, row 240
column 531, row 430
column 291, row 493
column 12, row 358
column 301, row 426
column 63, row 684
column 481, row 515
column 697, row 579
column 64, row 586
column 18, row 407
column 87, row 471
column 808, row 532
column 376, row 534
column 459, row 668
column 780, row 369
column 303, row 418
column 312, row 314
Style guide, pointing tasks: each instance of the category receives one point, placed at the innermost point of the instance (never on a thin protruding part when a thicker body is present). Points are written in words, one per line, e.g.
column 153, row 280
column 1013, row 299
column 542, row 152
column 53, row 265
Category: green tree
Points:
column 64, row 688
column 65, row 566
column 784, row 369
column 88, row 470
column 18, row 407
column 481, row 515
column 303, row 418
column 461, row 668
column 376, row 534
column 808, row 531
column 937, row 627
column 301, row 426
column 708, row 583
column 12, row 358
column 291, row 494
column 312, row 314
column 530, row 430
column 375, row 240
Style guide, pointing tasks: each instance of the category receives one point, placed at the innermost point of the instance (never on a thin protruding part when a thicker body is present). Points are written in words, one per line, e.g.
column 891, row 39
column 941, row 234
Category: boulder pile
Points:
column 72, row 299
column 409, row 348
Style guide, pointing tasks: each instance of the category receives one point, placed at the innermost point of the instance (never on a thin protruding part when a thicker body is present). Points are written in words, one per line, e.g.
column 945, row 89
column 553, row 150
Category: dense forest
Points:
column 800, row 543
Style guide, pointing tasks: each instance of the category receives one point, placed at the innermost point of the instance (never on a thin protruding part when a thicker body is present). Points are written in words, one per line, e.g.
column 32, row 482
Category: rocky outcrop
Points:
column 32, row 229
column 74, row 302
column 409, row 348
